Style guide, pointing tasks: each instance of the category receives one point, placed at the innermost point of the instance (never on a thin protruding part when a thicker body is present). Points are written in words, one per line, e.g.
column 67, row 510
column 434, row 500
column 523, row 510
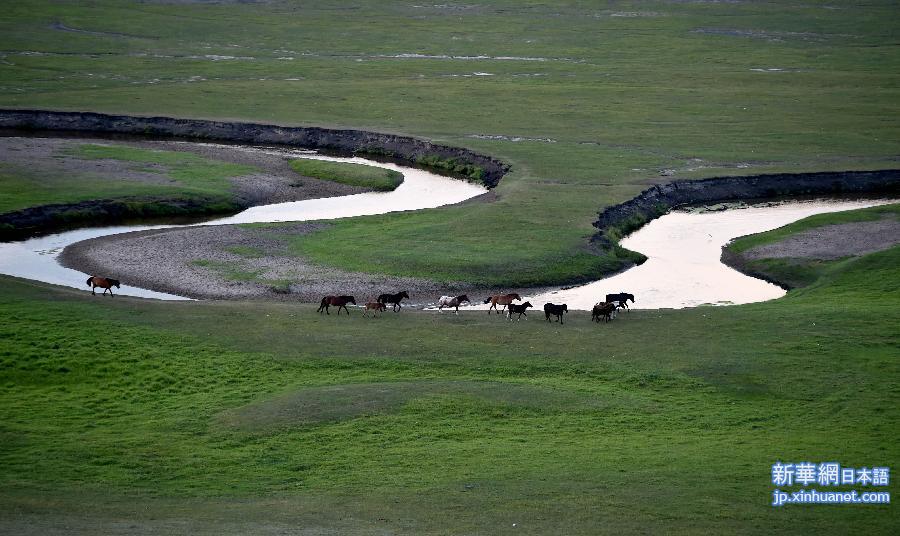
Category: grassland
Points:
column 174, row 175
column 122, row 415
column 379, row 179
column 602, row 101
column 427, row 423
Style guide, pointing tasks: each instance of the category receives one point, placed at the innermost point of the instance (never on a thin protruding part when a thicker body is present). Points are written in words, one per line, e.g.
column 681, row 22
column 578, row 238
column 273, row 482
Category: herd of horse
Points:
column 501, row 303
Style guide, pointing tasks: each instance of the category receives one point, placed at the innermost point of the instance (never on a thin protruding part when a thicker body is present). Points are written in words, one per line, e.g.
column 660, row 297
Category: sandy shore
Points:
column 238, row 262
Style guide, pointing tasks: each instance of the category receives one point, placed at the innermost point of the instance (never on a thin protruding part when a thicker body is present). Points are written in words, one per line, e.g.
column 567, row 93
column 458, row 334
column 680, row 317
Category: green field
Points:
column 433, row 423
column 181, row 176
column 134, row 416
column 379, row 179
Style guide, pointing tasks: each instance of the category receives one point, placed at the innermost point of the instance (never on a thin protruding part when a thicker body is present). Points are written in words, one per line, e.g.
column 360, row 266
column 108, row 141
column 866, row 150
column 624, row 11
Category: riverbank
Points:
column 799, row 254
column 127, row 189
column 239, row 262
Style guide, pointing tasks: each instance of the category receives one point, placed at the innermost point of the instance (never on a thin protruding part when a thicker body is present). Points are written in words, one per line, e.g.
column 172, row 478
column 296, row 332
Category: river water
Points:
column 683, row 247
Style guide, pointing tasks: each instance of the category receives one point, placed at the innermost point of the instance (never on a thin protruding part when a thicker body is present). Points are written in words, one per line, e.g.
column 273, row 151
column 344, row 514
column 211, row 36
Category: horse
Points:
column 501, row 299
column 376, row 305
column 102, row 282
column 606, row 310
column 393, row 299
column 451, row 301
column 621, row 299
column 518, row 308
column 339, row 301
column 555, row 310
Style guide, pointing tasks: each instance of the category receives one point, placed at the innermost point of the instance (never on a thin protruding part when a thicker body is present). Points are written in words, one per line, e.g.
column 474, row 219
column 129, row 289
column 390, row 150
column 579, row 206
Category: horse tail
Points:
column 488, row 299
column 89, row 280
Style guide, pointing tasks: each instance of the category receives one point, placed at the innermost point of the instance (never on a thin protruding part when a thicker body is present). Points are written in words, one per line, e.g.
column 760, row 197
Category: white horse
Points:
column 452, row 301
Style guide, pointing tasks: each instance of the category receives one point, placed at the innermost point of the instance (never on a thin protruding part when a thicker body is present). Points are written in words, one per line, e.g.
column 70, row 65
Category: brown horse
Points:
column 501, row 299
column 377, row 306
column 337, row 301
column 102, row 282
column 605, row 310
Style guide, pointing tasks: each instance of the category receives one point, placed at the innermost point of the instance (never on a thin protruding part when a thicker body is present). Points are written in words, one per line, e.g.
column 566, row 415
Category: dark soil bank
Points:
column 619, row 220
column 403, row 149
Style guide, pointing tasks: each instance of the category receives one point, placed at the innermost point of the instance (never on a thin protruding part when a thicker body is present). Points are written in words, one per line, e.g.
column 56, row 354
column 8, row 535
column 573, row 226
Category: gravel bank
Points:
column 237, row 262
column 833, row 241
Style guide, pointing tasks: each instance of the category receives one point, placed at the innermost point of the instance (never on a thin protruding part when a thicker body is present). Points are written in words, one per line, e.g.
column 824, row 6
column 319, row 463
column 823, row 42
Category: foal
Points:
column 518, row 308
column 376, row 305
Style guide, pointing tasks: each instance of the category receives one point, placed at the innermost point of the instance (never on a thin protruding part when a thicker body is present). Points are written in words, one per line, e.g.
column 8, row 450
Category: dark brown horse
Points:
column 394, row 299
column 337, row 301
column 551, row 309
column 501, row 299
column 605, row 310
column 620, row 299
column 102, row 282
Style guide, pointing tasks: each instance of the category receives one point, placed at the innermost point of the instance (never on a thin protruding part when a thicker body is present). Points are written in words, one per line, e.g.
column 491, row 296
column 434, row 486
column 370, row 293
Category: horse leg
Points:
column 93, row 290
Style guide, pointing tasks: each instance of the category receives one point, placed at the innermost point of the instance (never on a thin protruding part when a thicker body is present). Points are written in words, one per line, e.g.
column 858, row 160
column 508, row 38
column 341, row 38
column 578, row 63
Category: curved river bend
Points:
column 683, row 247
column 37, row 258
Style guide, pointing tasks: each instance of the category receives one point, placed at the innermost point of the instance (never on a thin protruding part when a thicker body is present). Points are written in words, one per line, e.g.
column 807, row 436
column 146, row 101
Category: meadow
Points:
column 122, row 415
column 421, row 422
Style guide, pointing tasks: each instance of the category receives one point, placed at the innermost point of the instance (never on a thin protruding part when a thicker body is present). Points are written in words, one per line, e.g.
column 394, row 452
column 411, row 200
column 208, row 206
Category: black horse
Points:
column 551, row 309
column 620, row 299
column 517, row 308
column 393, row 299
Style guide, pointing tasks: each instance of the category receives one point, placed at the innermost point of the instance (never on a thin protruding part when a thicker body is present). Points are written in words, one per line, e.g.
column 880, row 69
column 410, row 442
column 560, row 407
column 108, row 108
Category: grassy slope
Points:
column 800, row 272
column 624, row 91
column 353, row 174
column 433, row 422
column 191, row 176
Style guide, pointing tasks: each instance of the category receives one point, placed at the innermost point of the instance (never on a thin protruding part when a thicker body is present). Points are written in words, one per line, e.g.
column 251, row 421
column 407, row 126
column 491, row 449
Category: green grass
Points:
column 800, row 271
column 229, row 270
column 190, row 177
column 379, row 179
column 624, row 92
column 451, row 423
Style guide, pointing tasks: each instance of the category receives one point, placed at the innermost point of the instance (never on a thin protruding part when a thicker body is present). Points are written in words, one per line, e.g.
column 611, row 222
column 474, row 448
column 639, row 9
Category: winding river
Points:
column 683, row 247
